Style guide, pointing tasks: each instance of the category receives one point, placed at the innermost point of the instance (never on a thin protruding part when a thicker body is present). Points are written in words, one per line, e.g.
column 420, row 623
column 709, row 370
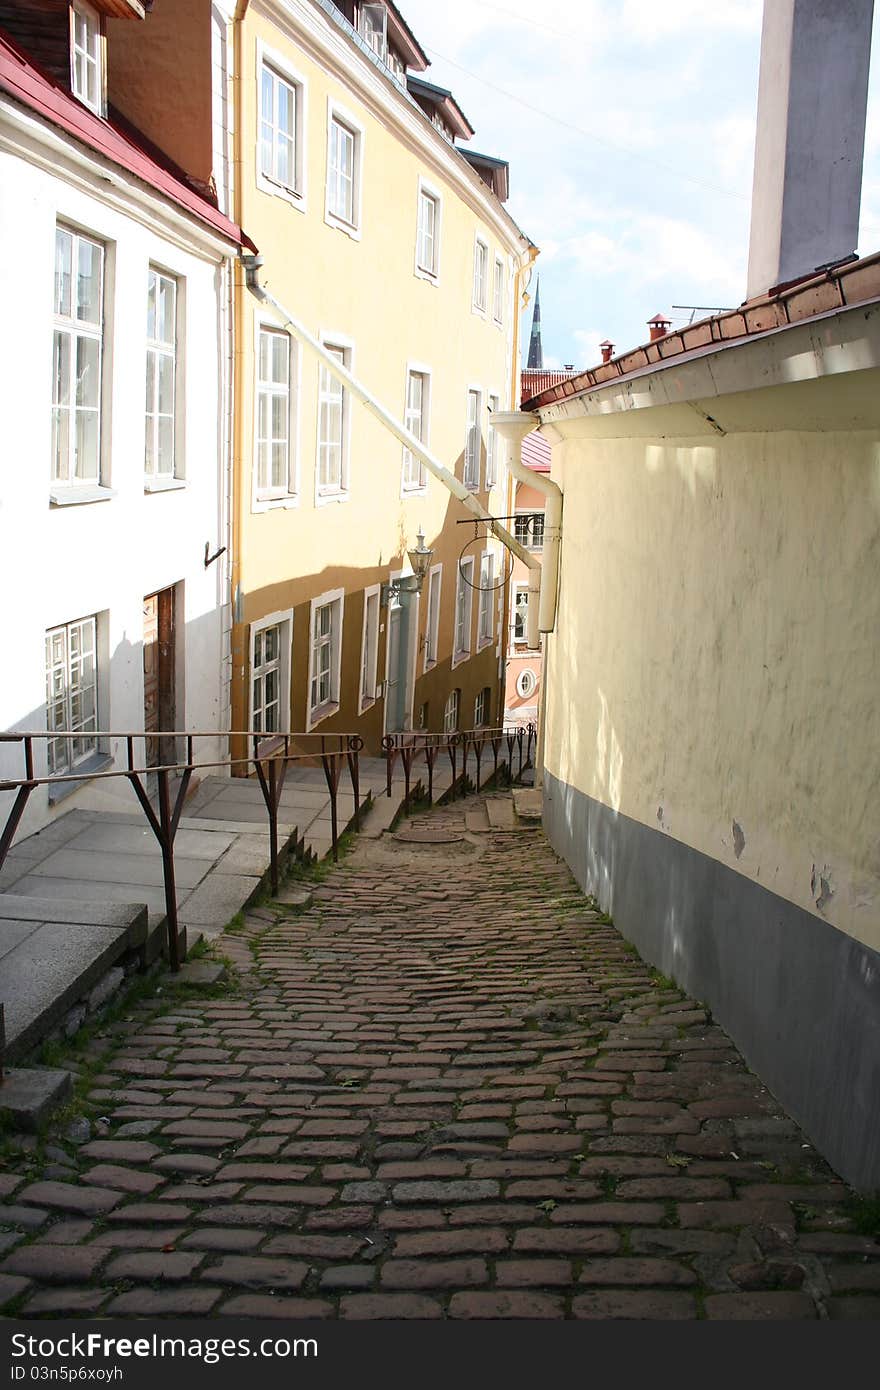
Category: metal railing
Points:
column 410, row 746
column 272, row 755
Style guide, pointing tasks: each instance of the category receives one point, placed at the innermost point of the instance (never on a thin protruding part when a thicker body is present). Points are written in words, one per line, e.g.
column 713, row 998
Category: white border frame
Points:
column 328, row 499
column 86, row 9
column 284, row 615
column 422, row 369
column 481, row 398
column 530, row 511
column 296, row 197
column 498, row 261
column 459, row 657
column 490, row 599
column 292, row 497
column 336, row 111
column 481, row 310
column 432, row 277
column 332, row 706
column 367, row 703
column 438, row 571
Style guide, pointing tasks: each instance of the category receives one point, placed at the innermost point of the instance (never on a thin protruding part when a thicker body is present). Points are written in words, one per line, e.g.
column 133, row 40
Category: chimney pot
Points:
column 607, row 350
column 659, row 326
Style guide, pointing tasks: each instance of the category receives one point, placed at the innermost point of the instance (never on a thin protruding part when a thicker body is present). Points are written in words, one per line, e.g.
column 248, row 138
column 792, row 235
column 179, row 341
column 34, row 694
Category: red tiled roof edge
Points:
column 839, row 287
column 23, row 80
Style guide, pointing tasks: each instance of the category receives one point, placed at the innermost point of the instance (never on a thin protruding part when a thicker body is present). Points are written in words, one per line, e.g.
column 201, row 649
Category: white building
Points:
column 116, row 404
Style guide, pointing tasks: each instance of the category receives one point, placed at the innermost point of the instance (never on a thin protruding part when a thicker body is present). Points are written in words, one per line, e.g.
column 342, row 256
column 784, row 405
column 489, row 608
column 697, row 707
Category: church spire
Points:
column 536, row 355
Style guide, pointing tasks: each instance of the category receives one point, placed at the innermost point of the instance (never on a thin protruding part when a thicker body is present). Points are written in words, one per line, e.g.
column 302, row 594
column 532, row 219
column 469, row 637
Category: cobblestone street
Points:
column 444, row 1088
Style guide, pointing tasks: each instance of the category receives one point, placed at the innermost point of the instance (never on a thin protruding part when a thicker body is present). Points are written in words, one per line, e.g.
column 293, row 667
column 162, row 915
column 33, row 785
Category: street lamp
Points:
column 420, row 558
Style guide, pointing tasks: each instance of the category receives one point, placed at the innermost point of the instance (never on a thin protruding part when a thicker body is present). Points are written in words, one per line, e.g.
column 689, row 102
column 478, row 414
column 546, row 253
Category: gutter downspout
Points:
column 513, row 426
column 252, row 266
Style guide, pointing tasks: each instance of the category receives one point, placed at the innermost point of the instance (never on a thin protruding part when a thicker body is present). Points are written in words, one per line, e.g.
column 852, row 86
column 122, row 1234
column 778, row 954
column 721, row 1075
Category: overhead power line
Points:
column 590, row 135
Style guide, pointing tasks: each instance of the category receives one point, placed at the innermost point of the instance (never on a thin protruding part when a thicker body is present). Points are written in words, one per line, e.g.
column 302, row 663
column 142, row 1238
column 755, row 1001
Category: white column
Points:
column 812, row 97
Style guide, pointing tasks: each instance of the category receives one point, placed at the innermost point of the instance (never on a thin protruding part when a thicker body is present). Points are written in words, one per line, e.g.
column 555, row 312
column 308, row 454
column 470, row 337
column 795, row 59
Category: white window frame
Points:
column 471, row 482
column 94, row 57
column 493, row 403
column 283, row 619
column 528, row 677
column 408, row 488
column 155, row 481
column 480, row 289
column 452, row 712
column 67, row 747
column 432, row 616
column 464, row 608
column 334, row 598
column 368, row 33
column 369, row 668
column 339, row 115
column 269, row 498
column 74, row 489
column 296, row 193
column 518, row 591
column 486, row 602
column 528, row 539
column 498, row 293
column 482, row 705
column 325, row 494
column 430, row 273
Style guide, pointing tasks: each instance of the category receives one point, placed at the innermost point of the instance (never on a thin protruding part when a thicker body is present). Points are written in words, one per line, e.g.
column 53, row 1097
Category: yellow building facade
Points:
column 394, row 249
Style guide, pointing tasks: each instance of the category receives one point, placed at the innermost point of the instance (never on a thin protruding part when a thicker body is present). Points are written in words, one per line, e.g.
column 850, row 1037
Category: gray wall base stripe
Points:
column 799, row 998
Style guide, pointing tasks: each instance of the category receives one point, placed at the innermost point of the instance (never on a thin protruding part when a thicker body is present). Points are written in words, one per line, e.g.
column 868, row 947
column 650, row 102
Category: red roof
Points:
column 853, row 282
column 536, row 452
column 27, row 84
column 534, row 380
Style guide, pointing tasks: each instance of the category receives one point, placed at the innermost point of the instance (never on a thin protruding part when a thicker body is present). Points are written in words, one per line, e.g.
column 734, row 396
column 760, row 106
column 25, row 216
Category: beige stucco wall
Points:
column 717, row 641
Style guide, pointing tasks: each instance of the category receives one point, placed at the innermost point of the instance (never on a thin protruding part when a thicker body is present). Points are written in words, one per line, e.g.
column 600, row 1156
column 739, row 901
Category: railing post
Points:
column 331, row 773
column 13, row 820
column 519, row 743
column 355, row 744
column 166, row 842
column 452, row 750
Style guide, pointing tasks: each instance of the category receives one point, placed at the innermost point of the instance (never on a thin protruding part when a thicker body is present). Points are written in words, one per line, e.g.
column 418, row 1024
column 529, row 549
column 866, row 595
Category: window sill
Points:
column 98, row 762
column 420, row 491
column 480, row 313
column 317, row 716
column 274, row 504
column 78, row 494
column 430, row 276
column 471, row 487
column 484, row 642
column 349, row 228
column 270, row 186
column 326, row 499
column 164, row 484
column 458, row 658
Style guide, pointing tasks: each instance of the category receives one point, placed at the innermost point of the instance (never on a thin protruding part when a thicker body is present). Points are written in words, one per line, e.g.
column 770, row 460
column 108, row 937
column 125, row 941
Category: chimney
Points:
column 607, row 350
column 659, row 326
column 812, row 98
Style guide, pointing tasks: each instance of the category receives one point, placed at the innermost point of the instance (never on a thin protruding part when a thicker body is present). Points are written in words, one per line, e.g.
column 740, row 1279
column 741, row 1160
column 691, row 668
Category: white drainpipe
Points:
column 252, row 266
column 513, row 426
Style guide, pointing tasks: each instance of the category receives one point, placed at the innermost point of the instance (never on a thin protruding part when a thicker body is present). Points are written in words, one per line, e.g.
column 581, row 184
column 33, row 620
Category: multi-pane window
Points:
column 472, row 442
column 332, row 428
column 161, row 372
column 481, row 275
column 463, row 608
column 326, row 634
column 492, row 446
column 76, row 354
column 266, row 678
column 520, row 614
column 373, row 27
column 370, row 652
column 416, row 422
column 427, row 234
column 528, row 529
column 481, row 707
column 485, row 625
column 273, row 413
column 432, row 631
column 86, row 68
column 450, row 712
column 341, row 172
column 72, row 693
column 498, row 292
column 278, row 117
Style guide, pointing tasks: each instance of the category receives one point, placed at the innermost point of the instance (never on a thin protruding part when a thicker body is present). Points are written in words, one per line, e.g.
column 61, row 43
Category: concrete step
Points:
column 500, row 812
column 476, row 820
column 528, row 804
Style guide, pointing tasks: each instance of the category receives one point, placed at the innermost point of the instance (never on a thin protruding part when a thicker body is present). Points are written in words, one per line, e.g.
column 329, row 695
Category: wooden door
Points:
column 159, row 703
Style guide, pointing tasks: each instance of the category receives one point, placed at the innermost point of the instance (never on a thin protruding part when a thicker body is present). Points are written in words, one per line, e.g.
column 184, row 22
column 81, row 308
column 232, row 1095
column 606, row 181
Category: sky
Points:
column 630, row 129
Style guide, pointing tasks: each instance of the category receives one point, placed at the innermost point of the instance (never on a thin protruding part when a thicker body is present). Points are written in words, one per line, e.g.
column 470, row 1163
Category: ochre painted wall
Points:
column 717, row 641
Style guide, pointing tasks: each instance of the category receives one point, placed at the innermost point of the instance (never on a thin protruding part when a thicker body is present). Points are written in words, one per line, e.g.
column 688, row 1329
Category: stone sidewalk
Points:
column 444, row 1088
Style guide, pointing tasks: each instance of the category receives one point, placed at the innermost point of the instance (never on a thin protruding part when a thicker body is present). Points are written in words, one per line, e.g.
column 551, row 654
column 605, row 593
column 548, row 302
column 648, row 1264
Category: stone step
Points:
column 500, row 812
column 476, row 820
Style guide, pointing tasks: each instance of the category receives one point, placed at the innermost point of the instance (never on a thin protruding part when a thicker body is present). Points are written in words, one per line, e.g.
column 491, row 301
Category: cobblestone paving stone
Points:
column 445, row 1089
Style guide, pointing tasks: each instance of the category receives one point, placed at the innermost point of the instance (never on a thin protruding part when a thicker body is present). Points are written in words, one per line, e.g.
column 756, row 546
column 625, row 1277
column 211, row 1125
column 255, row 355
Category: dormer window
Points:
column 87, row 56
column 374, row 29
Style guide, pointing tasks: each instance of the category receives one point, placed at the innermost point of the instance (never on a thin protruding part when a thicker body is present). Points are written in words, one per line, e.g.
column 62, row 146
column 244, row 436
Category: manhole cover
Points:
column 429, row 837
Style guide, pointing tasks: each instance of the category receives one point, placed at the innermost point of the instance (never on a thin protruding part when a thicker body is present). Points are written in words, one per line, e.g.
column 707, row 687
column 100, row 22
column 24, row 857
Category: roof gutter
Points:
column 252, row 265
column 513, row 426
